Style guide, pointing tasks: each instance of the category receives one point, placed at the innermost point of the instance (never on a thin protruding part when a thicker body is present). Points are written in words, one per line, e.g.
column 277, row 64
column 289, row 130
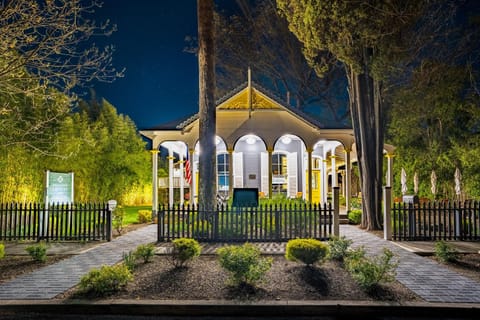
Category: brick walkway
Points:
column 428, row 279
column 52, row 280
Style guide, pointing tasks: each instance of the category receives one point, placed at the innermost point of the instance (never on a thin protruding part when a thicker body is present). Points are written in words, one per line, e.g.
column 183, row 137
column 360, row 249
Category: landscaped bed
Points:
column 204, row 279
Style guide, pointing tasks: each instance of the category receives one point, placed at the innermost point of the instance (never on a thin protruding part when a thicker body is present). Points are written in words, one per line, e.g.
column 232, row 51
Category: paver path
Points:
column 427, row 278
column 430, row 280
column 52, row 280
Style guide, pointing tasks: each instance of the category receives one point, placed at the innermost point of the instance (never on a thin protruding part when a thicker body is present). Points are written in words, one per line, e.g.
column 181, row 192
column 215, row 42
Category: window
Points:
column 279, row 173
column 223, row 170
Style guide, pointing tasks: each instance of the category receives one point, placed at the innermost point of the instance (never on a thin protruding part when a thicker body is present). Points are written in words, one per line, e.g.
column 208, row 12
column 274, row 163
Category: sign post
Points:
column 58, row 190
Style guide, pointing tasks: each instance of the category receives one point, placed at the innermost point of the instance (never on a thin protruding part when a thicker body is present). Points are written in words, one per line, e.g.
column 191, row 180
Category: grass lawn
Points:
column 131, row 214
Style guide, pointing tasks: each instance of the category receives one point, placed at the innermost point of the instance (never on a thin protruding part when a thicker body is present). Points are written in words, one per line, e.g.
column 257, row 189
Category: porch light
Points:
column 286, row 140
column 251, row 140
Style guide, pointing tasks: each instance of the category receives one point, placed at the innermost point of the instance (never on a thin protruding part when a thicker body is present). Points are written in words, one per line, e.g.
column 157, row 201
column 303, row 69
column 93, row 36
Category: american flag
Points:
column 188, row 173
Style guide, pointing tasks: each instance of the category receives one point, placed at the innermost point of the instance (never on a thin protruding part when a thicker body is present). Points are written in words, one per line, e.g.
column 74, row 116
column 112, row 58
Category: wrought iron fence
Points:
column 440, row 220
column 58, row 222
column 254, row 224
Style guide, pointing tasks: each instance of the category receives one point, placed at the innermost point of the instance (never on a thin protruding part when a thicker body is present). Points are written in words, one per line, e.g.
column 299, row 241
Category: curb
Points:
column 354, row 309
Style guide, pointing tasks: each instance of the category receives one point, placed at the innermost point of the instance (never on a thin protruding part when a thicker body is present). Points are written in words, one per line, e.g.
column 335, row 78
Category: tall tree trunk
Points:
column 207, row 115
column 367, row 120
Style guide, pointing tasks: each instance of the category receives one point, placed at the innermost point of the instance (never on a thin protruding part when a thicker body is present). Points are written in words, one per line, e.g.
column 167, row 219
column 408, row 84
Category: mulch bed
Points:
column 204, row 279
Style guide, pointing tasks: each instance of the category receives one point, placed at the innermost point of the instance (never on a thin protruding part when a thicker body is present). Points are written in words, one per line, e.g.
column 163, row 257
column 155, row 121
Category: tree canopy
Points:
column 46, row 55
column 362, row 36
column 257, row 37
column 106, row 154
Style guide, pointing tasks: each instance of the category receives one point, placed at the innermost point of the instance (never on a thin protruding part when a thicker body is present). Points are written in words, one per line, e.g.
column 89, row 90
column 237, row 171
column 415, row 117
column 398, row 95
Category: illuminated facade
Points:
column 262, row 143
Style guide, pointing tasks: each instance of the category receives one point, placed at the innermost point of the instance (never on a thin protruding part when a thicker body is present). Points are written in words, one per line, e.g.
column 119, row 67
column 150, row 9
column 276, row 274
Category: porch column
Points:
column 170, row 177
column 324, row 180
column 333, row 158
column 342, row 172
column 309, row 175
column 182, row 179
column 270, row 176
column 230, row 172
column 389, row 177
column 191, row 153
column 154, row 182
column 348, row 180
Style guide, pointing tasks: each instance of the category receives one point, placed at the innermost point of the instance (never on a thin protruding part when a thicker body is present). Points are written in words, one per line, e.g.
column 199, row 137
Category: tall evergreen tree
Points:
column 366, row 36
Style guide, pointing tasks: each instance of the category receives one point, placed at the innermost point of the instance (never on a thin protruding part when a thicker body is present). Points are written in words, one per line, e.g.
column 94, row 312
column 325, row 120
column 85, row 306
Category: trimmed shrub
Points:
column 355, row 216
column 129, row 259
column 2, row 250
column 144, row 216
column 185, row 250
column 107, row 279
column 369, row 272
column 338, row 248
column 38, row 252
column 244, row 263
column 117, row 219
column 308, row 251
column 145, row 252
column 445, row 252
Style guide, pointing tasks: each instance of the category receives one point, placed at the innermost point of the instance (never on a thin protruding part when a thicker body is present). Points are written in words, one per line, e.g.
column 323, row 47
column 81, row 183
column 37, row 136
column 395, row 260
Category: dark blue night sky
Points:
column 161, row 81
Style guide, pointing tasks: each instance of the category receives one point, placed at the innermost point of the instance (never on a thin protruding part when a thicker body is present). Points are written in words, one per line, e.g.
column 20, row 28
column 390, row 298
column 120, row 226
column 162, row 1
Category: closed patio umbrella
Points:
column 415, row 183
column 403, row 181
column 458, row 182
column 433, row 180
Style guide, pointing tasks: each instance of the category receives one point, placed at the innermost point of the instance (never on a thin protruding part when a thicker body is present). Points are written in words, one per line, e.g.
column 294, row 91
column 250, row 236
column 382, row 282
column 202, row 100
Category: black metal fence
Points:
column 441, row 220
column 58, row 222
column 254, row 224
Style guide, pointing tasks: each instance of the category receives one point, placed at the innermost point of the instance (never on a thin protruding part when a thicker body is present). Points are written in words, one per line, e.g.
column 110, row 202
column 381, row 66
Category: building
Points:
column 264, row 144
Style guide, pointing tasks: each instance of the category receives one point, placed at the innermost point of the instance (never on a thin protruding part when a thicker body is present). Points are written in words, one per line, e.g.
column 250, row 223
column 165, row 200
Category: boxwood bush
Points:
column 145, row 252
column 244, row 263
column 308, row 251
column 144, row 216
column 106, row 280
column 184, row 250
column 355, row 216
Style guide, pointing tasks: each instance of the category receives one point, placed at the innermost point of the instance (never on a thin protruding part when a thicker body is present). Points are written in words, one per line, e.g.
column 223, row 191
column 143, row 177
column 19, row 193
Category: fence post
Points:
column 336, row 211
column 387, row 213
column 160, row 223
column 109, row 223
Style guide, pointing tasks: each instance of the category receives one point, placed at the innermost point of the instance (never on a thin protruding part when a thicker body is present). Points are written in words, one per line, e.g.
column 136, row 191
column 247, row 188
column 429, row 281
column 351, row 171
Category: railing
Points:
column 441, row 220
column 263, row 223
column 58, row 222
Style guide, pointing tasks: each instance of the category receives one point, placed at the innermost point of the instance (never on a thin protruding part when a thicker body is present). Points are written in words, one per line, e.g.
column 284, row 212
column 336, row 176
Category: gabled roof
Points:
column 237, row 99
